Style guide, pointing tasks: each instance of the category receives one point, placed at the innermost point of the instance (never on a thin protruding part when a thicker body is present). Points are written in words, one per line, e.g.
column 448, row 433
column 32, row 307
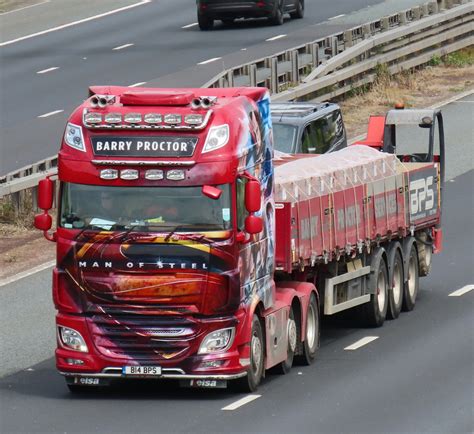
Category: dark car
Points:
column 228, row 10
column 308, row 128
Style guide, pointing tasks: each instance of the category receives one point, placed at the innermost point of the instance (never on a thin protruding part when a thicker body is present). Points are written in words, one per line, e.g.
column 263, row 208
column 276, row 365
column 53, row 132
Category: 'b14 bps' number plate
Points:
column 142, row 371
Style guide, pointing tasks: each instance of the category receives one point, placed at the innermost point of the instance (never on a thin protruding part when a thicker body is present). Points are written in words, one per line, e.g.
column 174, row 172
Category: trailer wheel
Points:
column 375, row 311
column 250, row 382
column 299, row 11
column 276, row 18
column 311, row 341
column 395, row 298
column 413, row 280
column 285, row 366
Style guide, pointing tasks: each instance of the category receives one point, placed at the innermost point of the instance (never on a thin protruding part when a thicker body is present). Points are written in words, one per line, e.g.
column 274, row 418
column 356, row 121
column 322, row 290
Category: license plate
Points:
column 142, row 371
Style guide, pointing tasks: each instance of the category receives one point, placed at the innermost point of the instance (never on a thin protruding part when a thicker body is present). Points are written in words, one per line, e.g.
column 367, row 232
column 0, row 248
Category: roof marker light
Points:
column 193, row 119
column 133, row 118
column 172, row 119
column 109, row 174
column 153, row 118
column 113, row 118
column 93, row 118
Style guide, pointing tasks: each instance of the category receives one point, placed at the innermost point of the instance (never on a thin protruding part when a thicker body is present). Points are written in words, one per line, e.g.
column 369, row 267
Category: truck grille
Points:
column 142, row 337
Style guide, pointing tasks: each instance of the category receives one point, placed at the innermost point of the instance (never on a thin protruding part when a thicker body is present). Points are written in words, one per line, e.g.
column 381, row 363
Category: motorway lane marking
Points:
column 24, row 274
column 462, row 291
column 44, row 71
column 205, row 62
column 121, row 47
column 274, row 38
column 137, row 84
column 361, row 343
column 47, row 115
column 74, row 23
column 235, row 405
column 25, row 7
column 336, row 17
column 187, row 26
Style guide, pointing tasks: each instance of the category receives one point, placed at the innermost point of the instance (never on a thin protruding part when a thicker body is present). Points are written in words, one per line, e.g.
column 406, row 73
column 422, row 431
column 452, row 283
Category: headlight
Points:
column 74, row 138
column 220, row 340
column 216, row 138
column 72, row 339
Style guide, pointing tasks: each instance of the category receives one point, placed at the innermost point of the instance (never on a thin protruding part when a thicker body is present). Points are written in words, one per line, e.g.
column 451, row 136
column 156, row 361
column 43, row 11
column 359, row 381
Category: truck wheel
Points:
column 205, row 22
column 311, row 340
column 375, row 311
column 250, row 382
column 395, row 297
column 285, row 366
column 425, row 254
column 299, row 13
column 276, row 18
column 413, row 280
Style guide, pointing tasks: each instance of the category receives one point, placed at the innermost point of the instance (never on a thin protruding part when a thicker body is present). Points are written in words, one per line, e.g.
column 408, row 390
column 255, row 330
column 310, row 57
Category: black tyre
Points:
column 299, row 13
column 395, row 297
column 276, row 19
column 250, row 382
column 310, row 345
column 412, row 283
column 205, row 22
column 285, row 366
column 375, row 311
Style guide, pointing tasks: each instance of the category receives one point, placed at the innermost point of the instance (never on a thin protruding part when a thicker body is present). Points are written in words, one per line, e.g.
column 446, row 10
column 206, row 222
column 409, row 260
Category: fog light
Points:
column 129, row 174
column 72, row 339
column 75, row 362
column 212, row 363
column 109, row 174
column 219, row 340
column 154, row 175
column 175, row 175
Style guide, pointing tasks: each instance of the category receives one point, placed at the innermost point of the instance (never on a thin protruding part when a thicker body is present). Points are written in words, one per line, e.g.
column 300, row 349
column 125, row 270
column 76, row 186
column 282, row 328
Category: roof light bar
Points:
column 113, row 118
column 109, row 174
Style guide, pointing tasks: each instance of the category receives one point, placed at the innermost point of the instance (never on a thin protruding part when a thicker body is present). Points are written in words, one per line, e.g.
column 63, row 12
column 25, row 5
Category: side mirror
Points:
column 45, row 194
column 211, row 192
column 253, row 198
column 253, row 224
column 43, row 222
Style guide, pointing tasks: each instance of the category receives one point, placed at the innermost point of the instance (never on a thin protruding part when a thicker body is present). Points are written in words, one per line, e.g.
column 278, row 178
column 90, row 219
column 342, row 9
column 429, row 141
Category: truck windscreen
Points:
column 143, row 208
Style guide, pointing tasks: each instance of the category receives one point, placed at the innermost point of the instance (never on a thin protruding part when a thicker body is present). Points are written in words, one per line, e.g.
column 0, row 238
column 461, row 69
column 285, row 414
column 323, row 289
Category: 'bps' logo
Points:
column 423, row 197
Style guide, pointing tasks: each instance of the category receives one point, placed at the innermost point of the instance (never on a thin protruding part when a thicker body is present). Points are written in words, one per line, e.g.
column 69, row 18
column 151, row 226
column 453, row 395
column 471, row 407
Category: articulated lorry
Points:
column 187, row 250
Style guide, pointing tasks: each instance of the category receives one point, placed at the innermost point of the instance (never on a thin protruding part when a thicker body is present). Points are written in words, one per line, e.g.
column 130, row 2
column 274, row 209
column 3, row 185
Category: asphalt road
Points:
column 415, row 377
column 162, row 53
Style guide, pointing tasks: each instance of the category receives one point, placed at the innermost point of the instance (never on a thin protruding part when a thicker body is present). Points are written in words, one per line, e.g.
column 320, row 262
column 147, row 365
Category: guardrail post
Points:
column 366, row 32
column 449, row 4
column 334, row 47
column 295, row 67
column 425, row 9
column 385, row 22
column 230, row 78
column 433, row 7
column 253, row 75
column 416, row 13
column 315, row 54
column 402, row 18
column 441, row 4
column 348, row 39
column 274, row 75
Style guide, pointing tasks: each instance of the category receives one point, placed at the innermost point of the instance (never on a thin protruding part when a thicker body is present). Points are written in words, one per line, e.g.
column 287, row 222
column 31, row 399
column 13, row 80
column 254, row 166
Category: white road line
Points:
column 25, row 7
column 24, row 274
column 336, row 17
column 47, row 115
column 187, row 26
column 121, row 47
column 137, row 84
column 274, row 38
column 209, row 61
column 74, row 23
column 462, row 291
column 44, row 71
column 361, row 343
column 235, row 405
